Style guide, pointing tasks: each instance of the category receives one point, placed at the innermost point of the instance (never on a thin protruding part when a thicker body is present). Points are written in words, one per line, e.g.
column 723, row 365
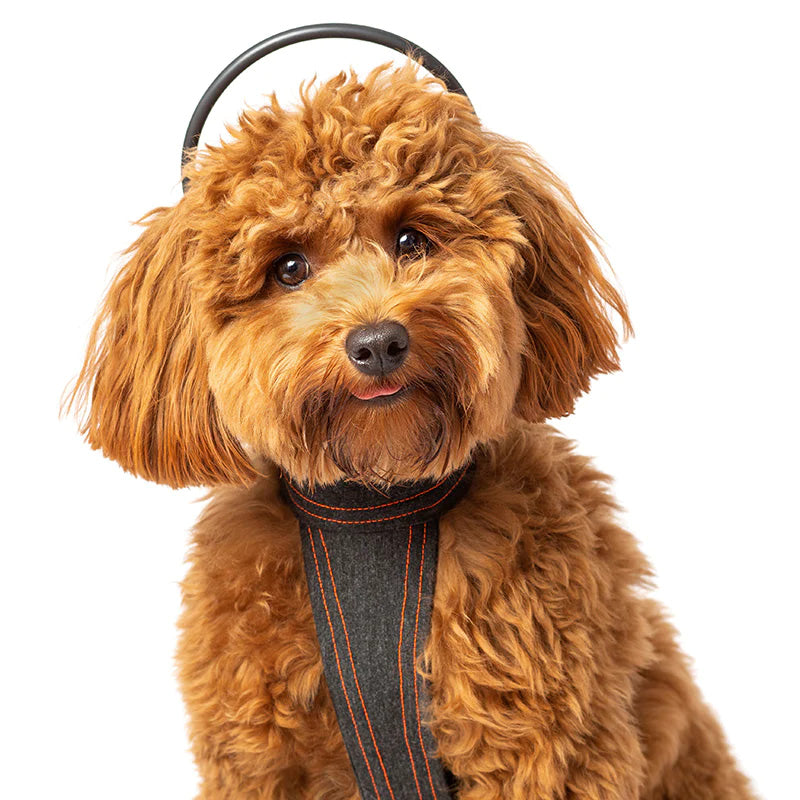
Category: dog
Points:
column 372, row 290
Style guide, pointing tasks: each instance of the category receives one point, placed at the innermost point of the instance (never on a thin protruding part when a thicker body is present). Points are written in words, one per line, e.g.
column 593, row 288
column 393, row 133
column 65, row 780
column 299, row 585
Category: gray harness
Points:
column 370, row 560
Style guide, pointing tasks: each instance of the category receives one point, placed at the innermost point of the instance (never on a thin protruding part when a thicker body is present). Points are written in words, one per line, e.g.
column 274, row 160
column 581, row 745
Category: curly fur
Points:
column 551, row 673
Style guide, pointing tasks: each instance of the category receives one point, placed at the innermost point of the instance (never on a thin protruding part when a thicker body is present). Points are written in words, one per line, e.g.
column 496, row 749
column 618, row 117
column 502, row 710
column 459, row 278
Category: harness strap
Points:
column 370, row 561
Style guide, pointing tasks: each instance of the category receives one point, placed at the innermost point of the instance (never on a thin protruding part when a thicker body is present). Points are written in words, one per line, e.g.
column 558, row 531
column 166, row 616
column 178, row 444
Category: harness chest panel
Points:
column 370, row 559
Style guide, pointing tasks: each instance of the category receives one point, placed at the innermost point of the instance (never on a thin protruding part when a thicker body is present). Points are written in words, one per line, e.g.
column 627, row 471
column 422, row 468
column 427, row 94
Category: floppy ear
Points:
column 561, row 290
column 144, row 384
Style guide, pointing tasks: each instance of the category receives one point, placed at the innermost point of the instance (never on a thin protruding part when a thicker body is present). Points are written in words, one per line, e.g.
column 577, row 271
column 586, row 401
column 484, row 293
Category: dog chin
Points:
column 383, row 436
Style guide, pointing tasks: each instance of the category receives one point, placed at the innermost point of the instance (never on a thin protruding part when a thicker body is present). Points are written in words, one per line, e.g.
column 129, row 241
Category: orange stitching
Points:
column 383, row 519
column 336, row 652
column 366, row 508
column 352, row 663
column 416, row 626
column 400, row 664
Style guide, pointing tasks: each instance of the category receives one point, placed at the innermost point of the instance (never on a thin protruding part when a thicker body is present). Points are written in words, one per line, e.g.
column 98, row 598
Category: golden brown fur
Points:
column 552, row 675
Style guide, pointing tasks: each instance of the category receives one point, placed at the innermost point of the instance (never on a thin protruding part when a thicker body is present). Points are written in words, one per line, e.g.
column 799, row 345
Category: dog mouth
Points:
column 379, row 395
column 379, row 427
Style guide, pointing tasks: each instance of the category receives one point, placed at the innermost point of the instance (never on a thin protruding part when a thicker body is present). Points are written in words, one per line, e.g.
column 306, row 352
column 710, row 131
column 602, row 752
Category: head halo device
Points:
column 332, row 30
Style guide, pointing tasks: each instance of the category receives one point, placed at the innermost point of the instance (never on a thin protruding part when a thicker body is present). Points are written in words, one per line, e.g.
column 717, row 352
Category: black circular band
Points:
column 332, row 30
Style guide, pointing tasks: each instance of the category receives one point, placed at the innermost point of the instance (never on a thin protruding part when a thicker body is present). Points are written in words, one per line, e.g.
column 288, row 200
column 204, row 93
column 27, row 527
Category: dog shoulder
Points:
column 246, row 541
column 538, row 531
column 539, row 501
column 248, row 658
column 538, row 598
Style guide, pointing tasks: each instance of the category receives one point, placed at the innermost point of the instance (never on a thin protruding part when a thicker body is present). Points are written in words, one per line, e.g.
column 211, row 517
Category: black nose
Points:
column 377, row 349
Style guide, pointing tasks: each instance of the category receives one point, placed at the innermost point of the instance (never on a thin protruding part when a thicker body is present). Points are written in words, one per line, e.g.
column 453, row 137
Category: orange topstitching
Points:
column 352, row 663
column 339, row 666
column 400, row 663
column 366, row 508
column 416, row 692
column 384, row 519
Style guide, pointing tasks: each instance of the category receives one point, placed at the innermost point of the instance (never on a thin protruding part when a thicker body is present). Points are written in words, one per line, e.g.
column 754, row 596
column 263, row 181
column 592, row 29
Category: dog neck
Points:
column 351, row 505
column 370, row 560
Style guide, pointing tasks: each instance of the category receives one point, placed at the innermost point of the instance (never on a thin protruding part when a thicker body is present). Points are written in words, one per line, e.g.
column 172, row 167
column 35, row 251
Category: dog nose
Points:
column 377, row 349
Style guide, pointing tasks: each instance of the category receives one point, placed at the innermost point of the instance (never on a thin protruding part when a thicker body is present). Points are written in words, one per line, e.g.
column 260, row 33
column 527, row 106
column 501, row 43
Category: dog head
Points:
column 367, row 285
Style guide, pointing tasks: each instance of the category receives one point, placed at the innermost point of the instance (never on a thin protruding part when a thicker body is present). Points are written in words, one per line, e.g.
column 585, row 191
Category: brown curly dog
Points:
column 223, row 357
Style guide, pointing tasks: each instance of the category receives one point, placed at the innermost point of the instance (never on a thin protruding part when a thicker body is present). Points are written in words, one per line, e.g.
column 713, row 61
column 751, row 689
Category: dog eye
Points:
column 412, row 243
column 291, row 269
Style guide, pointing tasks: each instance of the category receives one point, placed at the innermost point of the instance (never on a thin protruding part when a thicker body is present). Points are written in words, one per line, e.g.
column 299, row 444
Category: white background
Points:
column 674, row 124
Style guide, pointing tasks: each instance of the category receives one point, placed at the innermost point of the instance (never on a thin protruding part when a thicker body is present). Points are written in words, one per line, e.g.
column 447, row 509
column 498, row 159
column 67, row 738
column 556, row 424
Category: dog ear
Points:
column 560, row 289
column 144, row 386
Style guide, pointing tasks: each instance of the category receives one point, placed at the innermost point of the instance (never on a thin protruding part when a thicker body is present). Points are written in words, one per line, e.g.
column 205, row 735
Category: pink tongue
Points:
column 381, row 391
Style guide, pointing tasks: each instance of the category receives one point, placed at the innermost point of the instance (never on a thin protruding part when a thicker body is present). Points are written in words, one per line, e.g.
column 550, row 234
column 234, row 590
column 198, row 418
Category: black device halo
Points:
column 328, row 30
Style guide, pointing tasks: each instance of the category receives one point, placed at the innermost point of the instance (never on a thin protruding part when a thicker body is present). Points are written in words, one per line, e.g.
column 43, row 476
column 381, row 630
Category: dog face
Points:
column 368, row 285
